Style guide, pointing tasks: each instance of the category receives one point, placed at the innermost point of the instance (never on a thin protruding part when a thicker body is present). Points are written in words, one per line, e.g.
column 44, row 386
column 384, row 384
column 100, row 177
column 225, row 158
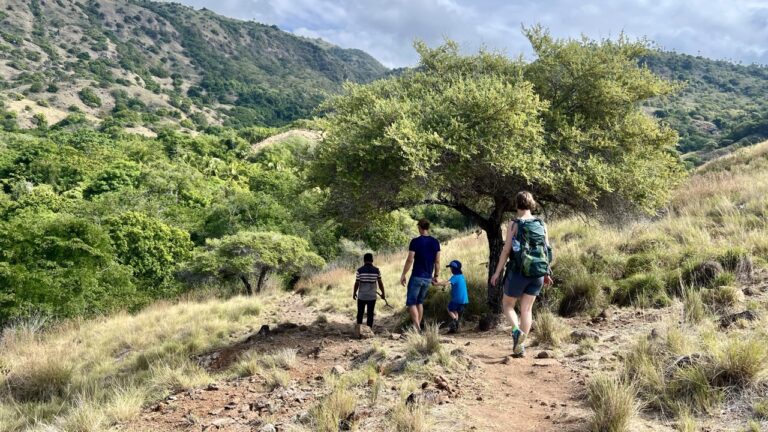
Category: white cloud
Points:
column 725, row 29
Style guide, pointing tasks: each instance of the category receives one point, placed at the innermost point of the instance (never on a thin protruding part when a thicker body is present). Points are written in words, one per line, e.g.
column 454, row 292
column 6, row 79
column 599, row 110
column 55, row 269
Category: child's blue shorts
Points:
column 456, row 307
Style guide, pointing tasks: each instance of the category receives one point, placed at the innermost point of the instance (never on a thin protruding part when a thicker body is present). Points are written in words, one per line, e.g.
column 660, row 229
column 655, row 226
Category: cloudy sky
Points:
column 735, row 30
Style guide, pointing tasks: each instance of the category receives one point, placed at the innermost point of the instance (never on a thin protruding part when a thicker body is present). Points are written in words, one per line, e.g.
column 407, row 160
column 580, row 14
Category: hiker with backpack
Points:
column 528, row 270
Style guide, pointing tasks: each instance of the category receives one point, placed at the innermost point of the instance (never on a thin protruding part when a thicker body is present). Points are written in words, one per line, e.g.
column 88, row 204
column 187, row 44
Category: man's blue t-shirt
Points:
column 426, row 248
column 459, row 289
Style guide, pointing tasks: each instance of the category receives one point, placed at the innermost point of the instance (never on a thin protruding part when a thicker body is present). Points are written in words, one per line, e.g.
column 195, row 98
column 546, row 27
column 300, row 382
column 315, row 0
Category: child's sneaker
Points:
column 453, row 327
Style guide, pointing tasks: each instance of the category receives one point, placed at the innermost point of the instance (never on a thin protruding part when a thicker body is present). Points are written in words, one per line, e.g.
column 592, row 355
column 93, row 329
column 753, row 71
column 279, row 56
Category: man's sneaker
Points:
column 519, row 349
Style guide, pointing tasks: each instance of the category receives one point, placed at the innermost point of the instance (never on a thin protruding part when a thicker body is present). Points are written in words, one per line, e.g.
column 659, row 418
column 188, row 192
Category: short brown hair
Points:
column 424, row 224
column 524, row 201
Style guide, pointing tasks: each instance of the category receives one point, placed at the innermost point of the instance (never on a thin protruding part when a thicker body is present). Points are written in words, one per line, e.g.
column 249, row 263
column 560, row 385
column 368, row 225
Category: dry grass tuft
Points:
column 550, row 329
column 334, row 409
column 410, row 418
column 694, row 310
column 276, row 378
column 426, row 343
column 613, row 404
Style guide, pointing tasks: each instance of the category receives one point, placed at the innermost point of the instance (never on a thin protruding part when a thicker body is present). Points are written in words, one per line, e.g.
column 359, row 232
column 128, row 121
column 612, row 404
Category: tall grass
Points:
column 91, row 374
column 613, row 404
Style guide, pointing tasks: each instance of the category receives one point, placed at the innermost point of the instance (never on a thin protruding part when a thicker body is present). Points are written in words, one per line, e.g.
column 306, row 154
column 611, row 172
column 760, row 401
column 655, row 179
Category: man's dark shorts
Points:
column 417, row 290
column 516, row 285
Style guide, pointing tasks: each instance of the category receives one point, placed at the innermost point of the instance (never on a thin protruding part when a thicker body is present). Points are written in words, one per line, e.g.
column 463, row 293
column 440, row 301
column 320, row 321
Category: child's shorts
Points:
column 456, row 307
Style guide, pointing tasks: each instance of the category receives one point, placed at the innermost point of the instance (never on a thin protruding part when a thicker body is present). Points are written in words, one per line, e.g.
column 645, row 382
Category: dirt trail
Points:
column 494, row 393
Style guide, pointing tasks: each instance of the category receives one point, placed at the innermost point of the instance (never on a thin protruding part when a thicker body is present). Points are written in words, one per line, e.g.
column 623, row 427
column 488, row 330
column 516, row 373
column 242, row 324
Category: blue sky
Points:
column 735, row 30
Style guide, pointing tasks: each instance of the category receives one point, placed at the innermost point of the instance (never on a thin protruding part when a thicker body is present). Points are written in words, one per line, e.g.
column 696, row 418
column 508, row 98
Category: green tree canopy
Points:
column 60, row 265
column 469, row 132
column 254, row 254
column 151, row 248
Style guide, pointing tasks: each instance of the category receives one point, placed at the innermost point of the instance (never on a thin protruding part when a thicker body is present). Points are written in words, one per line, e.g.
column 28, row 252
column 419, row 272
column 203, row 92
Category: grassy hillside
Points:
column 720, row 103
column 91, row 374
column 139, row 63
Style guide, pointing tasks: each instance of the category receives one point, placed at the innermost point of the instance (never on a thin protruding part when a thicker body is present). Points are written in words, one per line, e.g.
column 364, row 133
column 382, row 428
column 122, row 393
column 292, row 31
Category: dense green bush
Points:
column 89, row 97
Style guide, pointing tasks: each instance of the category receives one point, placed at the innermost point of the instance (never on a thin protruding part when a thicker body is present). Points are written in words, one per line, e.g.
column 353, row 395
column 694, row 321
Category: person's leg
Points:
column 508, row 305
column 423, row 290
column 412, row 301
column 526, row 312
column 371, row 307
column 360, row 311
column 413, row 311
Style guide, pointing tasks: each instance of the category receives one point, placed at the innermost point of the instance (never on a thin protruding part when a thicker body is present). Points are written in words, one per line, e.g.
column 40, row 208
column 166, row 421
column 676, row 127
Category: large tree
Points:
column 249, row 255
column 469, row 132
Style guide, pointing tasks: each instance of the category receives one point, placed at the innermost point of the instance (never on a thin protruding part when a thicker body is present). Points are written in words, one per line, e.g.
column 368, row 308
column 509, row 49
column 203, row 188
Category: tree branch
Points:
column 482, row 221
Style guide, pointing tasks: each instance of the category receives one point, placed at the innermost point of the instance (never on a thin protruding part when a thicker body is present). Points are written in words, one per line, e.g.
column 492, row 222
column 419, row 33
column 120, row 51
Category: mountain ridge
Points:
column 167, row 62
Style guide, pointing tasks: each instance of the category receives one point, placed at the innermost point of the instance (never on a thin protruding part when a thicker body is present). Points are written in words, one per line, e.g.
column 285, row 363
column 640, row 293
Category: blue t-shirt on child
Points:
column 459, row 289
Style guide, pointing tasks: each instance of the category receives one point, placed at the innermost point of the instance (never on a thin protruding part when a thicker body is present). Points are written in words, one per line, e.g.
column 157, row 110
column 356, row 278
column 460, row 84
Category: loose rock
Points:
column 338, row 370
column 363, row 332
column 746, row 315
column 580, row 335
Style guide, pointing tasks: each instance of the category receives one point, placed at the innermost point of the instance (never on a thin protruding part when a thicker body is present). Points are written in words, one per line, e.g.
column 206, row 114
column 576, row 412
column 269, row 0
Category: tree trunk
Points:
column 495, row 245
column 262, row 278
column 248, row 287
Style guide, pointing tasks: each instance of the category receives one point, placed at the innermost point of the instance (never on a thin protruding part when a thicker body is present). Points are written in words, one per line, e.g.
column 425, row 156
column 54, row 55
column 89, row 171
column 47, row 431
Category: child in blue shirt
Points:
column 459, row 296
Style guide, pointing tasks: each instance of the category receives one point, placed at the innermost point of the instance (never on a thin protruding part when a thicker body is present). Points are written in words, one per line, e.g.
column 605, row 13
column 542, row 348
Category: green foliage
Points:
column 154, row 250
column 59, row 264
column 719, row 104
column 469, row 132
column 643, row 290
column 248, row 254
column 152, row 200
column 89, row 97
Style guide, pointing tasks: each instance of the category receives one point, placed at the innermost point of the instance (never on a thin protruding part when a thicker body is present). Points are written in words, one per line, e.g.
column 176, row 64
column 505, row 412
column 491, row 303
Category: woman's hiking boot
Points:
column 518, row 341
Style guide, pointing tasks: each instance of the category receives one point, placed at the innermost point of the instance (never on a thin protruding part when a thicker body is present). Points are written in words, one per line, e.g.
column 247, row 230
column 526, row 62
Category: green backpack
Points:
column 533, row 257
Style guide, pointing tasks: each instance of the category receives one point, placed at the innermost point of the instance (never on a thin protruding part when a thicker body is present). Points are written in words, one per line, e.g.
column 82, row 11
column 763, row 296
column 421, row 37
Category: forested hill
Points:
column 720, row 103
column 141, row 63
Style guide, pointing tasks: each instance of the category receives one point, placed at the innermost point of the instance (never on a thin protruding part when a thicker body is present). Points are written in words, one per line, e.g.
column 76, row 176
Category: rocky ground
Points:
column 490, row 392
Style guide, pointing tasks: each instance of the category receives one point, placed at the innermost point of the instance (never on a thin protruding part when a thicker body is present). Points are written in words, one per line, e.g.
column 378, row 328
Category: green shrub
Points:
column 643, row 263
column 642, row 290
column 90, row 98
column 584, row 292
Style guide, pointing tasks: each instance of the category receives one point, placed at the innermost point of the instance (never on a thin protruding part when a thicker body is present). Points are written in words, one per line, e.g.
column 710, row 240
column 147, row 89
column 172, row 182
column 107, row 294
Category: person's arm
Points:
column 407, row 267
column 354, row 290
column 381, row 286
column 511, row 232
column 443, row 283
column 548, row 278
column 437, row 267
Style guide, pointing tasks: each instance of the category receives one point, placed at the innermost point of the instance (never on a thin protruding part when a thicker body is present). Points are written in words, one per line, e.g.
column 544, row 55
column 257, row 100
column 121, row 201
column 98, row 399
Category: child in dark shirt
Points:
column 367, row 279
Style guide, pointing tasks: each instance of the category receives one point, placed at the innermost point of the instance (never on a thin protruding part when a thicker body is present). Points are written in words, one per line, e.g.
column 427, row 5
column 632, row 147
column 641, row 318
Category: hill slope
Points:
column 720, row 103
column 139, row 62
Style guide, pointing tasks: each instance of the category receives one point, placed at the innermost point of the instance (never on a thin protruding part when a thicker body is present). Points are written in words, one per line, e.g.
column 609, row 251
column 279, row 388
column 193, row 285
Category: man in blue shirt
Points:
column 424, row 255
